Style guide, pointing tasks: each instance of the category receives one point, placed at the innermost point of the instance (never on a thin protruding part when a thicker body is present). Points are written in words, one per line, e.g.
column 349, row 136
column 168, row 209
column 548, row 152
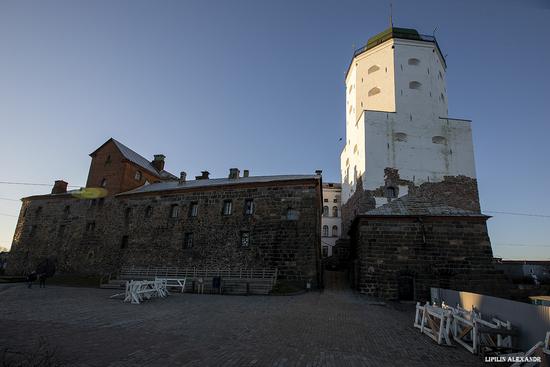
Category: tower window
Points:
column 372, row 69
column 413, row 61
column 415, row 85
column 400, row 137
column 374, row 91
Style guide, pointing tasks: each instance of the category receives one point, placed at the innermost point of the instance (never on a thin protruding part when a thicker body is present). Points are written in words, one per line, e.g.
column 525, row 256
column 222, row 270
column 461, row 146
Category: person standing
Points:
column 42, row 278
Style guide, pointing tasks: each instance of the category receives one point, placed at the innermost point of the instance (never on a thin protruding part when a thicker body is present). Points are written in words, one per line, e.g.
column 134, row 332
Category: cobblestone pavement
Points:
column 333, row 328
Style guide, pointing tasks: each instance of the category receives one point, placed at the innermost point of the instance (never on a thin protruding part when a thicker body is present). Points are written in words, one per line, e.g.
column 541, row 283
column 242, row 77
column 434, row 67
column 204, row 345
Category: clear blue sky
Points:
column 260, row 85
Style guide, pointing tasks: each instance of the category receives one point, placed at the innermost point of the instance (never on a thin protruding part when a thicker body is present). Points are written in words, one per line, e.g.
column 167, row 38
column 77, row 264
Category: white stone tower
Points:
column 396, row 117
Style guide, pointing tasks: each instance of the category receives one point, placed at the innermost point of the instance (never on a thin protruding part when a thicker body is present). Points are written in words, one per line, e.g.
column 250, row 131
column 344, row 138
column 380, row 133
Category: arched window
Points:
column 391, row 192
column 415, row 85
column 372, row 69
column 335, row 211
column 325, row 211
column 325, row 231
column 104, row 182
column 334, row 231
column 413, row 61
column 374, row 91
column 400, row 137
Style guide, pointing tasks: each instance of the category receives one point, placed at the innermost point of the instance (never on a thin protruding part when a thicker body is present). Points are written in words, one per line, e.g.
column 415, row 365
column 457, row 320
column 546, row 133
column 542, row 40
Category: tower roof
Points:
column 396, row 32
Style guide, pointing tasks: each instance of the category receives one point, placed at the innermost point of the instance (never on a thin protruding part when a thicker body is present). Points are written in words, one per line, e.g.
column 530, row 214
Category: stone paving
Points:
column 333, row 328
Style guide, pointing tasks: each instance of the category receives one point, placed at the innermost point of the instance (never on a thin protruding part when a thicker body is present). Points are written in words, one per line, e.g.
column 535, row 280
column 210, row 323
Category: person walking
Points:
column 30, row 279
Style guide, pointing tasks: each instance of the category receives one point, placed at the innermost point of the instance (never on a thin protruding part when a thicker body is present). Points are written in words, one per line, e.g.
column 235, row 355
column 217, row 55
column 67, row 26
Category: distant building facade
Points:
column 151, row 218
column 331, row 223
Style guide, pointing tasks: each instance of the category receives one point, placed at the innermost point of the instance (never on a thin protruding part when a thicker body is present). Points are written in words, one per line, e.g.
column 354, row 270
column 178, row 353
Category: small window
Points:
column 193, row 209
column 335, row 211
column 90, row 226
column 66, row 212
column 245, row 239
column 227, row 207
column 124, row 242
column 137, row 176
column 108, row 160
column 188, row 240
column 334, row 231
column 325, row 231
column 415, row 85
column 335, row 200
column 249, row 207
column 292, row 214
column 103, row 182
column 325, row 251
column 148, row 212
column 325, row 200
column 325, row 211
column 174, row 211
column 372, row 69
column 391, row 192
column 374, row 91
column 400, row 137
column 38, row 211
column 439, row 140
column 414, row 61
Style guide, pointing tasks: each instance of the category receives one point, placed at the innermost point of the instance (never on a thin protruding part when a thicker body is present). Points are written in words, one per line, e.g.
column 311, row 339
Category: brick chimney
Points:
column 183, row 177
column 246, row 173
column 234, row 173
column 158, row 162
column 59, row 187
column 204, row 175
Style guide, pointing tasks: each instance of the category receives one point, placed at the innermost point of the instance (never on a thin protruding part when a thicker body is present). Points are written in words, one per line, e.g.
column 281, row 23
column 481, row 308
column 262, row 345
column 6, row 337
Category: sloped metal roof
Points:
column 414, row 206
column 175, row 185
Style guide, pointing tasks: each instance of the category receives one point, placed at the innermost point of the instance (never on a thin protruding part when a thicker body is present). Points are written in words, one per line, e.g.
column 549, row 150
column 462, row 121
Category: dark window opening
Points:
column 90, row 226
column 127, row 214
column 292, row 214
column 325, row 251
column 108, row 160
column 148, row 212
column 66, row 212
column 334, row 211
column 174, row 211
column 227, row 206
column 104, row 182
column 334, row 231
column 193, row 209
column 391, row 192
column 38, row 211
column 325, row 231
column 124, row 242
column 188, row 240
column 325, row 211
column 249, row 207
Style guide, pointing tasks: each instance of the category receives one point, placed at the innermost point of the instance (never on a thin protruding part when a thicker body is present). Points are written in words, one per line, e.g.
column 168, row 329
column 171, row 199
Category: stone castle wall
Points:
column 99, row 236
column 446, row 252
column 456, row 191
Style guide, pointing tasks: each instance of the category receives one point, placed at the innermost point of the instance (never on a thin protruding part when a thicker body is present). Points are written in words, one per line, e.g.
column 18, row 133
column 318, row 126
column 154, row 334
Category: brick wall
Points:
column 109, row 164
column 87, row 238
column 446, row 252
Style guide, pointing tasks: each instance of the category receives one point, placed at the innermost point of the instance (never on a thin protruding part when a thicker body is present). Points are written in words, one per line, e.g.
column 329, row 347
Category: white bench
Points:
column 174, row 282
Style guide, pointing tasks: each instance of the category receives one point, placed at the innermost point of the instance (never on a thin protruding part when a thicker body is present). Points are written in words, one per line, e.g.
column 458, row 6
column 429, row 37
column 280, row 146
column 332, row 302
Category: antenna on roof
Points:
column 391, row 15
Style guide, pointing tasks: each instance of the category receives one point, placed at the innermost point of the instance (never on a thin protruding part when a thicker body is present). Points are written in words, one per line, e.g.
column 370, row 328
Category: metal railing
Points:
column 132, row 272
